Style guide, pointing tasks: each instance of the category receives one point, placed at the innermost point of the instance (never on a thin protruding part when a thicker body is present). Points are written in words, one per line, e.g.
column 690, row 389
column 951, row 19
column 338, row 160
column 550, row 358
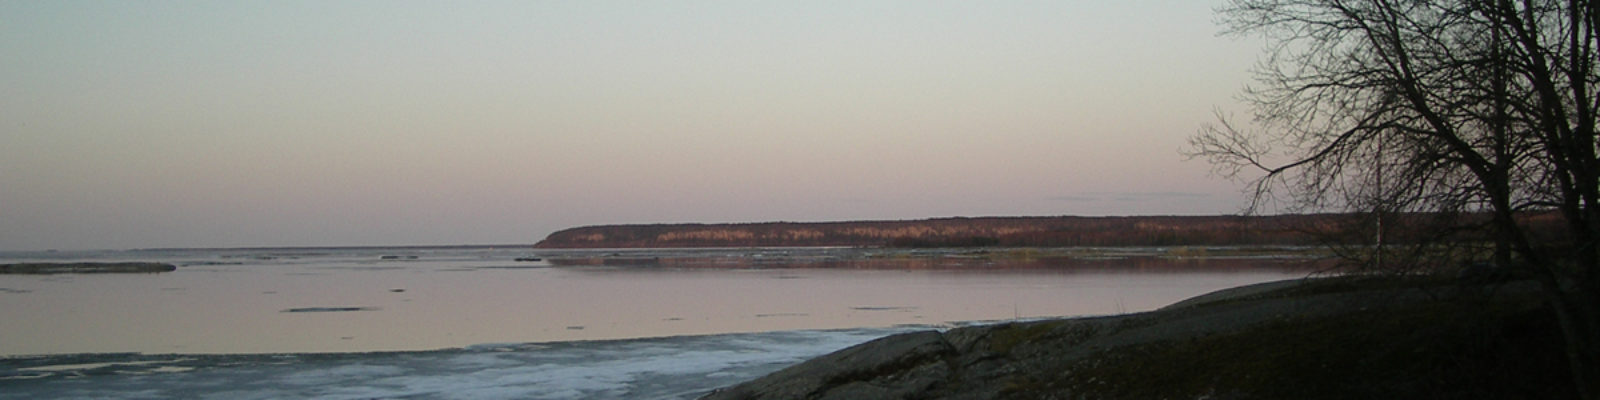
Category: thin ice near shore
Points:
column 659, row 368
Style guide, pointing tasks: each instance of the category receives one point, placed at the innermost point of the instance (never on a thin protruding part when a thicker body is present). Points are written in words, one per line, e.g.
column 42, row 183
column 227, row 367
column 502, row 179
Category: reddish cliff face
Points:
column 1001, row 231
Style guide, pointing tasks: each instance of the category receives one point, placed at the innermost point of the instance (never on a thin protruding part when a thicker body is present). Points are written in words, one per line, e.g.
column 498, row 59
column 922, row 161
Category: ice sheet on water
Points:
column 659, row 368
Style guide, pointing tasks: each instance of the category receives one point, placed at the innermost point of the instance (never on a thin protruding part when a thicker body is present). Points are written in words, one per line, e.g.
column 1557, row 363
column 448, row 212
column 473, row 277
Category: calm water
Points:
column 406, row 299
column 476, row 323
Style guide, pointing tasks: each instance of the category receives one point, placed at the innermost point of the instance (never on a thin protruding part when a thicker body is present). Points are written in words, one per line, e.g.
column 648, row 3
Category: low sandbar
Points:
column 86, row 268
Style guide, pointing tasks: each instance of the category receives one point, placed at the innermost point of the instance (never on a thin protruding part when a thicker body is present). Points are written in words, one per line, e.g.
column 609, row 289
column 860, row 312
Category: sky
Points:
column 342, row 123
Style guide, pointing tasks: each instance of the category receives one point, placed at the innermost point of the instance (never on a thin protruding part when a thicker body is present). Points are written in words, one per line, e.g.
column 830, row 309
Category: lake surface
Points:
column 415, row 314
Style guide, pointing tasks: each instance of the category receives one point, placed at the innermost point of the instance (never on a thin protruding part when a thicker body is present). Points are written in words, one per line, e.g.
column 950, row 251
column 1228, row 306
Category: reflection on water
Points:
column 348, row 300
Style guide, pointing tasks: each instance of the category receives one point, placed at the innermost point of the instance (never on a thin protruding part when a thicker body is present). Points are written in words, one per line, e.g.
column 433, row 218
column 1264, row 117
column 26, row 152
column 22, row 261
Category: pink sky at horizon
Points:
column 306, row 123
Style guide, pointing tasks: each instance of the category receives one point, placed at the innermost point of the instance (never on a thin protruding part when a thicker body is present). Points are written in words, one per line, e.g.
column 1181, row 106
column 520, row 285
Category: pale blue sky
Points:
column 283, row 123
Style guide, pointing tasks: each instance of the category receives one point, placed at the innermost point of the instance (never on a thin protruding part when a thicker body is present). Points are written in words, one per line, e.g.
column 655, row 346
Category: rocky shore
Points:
column 1318, row 338
column 86, row 268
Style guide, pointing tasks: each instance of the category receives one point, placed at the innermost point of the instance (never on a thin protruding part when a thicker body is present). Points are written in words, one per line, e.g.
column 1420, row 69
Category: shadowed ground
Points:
column 1321, row 338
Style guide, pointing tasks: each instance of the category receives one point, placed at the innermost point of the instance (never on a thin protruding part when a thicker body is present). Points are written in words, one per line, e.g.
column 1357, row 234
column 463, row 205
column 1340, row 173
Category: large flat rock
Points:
column 1061, row 358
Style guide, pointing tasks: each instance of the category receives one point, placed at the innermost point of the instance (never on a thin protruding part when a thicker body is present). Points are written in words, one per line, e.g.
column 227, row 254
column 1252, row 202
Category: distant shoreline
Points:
column 1048, row 231
column 285, row 248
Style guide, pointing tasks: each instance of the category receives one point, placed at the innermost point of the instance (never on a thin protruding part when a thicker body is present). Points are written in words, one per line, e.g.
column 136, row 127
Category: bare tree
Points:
column 1443, row 107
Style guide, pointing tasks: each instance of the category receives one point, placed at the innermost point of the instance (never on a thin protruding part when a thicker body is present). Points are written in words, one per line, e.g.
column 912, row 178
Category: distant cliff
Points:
column 956, row 232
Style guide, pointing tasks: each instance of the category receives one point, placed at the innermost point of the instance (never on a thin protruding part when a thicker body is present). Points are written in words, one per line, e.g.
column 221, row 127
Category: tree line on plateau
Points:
column 1285, row 230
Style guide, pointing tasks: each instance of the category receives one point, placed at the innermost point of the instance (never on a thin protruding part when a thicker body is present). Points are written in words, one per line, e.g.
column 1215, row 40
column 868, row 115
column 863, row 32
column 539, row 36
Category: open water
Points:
column 512, row 322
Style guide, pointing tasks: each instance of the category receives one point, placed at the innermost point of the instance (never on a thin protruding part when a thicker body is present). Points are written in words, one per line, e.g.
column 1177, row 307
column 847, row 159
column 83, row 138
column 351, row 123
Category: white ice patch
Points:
column 661, row 368
column 339, row 373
